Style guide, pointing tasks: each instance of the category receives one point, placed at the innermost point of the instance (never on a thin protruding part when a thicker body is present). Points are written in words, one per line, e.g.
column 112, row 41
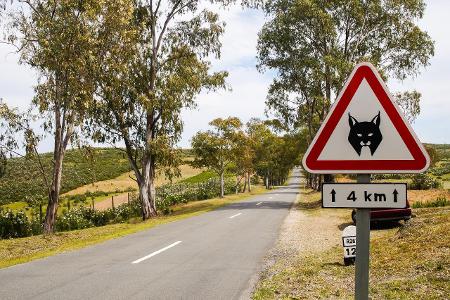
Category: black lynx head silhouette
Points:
column 365, row 134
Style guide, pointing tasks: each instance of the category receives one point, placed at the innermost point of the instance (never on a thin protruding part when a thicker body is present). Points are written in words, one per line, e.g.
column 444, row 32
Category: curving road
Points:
column 215, row 255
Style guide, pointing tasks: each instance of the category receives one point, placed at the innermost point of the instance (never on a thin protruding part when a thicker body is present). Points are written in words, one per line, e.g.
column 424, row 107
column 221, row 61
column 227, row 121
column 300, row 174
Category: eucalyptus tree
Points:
column 314, row 44
column 216, row 149
column 155, row 61
column 262, row 138
column 56, row 39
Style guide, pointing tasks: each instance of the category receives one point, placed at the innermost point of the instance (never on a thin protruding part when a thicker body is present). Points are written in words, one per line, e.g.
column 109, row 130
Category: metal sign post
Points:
column 365, row 133
column 362, row 247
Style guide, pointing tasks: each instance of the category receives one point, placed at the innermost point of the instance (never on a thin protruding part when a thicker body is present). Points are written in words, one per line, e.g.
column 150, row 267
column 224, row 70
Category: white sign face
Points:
column 365, row 132
column 365, row 111
column 364, row 195
column 349, row 241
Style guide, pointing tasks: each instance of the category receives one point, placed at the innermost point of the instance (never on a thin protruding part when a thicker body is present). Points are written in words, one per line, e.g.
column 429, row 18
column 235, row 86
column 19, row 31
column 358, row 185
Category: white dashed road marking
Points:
column 235, row 215
column 155, row 253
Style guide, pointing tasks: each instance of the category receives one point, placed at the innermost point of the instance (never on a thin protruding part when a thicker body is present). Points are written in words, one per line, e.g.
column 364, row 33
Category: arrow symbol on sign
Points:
column 395, row 195
column 333, row 195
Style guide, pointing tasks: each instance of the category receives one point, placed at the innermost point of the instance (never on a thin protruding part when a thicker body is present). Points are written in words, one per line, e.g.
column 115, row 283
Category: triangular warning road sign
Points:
column 365, row 132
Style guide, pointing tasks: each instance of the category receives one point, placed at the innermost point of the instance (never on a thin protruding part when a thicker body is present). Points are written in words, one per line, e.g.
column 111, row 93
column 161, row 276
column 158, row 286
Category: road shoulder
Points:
column 407, row 261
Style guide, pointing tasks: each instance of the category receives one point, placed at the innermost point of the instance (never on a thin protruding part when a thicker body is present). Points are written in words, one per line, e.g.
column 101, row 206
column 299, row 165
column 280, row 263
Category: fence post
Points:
column 68, row 203
column 92, row 199
column 128, row 197
column 112, row 202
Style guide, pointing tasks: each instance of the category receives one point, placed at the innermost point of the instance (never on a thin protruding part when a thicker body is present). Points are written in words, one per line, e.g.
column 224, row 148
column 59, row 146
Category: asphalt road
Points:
column 215, row 255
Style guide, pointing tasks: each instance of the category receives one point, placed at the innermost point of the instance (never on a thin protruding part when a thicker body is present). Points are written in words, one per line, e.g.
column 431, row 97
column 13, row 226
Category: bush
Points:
column 439, row 202
column 424, row 181
column 14, row 225
column 72, row 220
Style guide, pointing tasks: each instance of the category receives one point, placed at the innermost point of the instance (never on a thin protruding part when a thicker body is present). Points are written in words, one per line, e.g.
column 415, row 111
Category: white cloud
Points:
column 433, row 123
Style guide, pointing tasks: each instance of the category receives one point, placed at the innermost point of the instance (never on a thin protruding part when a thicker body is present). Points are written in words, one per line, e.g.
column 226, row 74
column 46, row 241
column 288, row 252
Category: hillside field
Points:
column 106, row 170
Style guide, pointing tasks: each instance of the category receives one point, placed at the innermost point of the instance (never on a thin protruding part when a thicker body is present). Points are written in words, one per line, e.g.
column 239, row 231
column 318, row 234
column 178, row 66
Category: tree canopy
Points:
column 313, row 46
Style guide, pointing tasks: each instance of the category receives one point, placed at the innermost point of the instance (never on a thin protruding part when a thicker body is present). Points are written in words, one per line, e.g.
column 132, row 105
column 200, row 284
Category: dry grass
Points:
column 427, row 195
column 16, row 251
column 407, row 262
column 125, row 181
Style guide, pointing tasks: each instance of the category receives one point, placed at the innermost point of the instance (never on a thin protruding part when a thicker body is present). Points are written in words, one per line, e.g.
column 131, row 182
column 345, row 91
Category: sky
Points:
column 249, row 87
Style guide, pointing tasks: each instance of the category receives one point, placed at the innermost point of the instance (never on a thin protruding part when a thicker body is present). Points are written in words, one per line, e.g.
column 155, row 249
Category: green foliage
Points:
column 23, row 180
column 14, row 225
column 424, row 181
column 83, row 217
column 203, row 176
column 313, row 46
column 215, row 149
column 439, row 202
column 171, row 194
column 72, row 220
column 3, row 162
column 441, row 169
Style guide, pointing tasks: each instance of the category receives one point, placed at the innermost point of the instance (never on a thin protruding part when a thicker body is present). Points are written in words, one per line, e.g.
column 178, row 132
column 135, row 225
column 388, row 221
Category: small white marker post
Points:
column 349, row 244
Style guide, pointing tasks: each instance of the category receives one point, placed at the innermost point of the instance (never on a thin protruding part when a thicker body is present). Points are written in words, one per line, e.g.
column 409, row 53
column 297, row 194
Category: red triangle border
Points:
column 420, row 159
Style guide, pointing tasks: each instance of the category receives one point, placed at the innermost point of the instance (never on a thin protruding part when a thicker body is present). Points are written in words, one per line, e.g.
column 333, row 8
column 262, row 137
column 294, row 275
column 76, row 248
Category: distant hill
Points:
column 23, row 178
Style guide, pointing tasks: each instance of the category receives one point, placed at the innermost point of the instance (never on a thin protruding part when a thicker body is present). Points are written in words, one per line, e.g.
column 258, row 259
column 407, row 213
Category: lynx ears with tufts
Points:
column 376, row 120
column 351, row 121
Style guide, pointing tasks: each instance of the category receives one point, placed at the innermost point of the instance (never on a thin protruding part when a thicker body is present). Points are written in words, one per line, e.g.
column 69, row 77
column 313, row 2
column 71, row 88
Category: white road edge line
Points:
column 235, row 215
column 259, row 203
column 155, row 253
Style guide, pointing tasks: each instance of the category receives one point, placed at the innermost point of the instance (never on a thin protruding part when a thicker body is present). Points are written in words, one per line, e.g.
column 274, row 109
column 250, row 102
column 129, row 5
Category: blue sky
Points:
column 249, row 87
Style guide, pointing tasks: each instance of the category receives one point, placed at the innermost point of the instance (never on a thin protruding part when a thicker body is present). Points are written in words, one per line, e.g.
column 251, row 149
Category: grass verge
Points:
column 16, row 251
column 409, row 262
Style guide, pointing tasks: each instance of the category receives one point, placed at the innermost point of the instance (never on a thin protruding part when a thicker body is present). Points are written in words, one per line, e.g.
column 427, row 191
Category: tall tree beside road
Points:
column 56, row 39
column 216, row 149
column 313, row 46
column 154, row 61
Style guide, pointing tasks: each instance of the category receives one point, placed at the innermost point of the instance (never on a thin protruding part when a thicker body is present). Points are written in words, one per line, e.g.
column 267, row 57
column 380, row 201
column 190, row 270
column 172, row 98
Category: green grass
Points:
column 203, row 176
column 410, row 262
column 15, row 206
column 439, row 202
column 21, row 250
column 23, row 179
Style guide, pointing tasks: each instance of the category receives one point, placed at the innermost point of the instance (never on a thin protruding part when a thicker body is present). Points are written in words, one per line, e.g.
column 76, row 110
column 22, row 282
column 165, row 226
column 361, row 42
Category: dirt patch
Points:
column 427, row 195
column 108, row 203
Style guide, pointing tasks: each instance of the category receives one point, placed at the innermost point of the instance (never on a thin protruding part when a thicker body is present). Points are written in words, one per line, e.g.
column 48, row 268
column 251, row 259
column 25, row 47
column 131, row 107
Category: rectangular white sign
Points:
column 364, row 195
column 349, row 241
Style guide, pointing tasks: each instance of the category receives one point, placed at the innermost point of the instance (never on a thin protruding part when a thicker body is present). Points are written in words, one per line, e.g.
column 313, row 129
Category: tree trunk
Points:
column 248, row 182
column 53, row 197
column 222, row 187
column 147, row 193
column 245, row 183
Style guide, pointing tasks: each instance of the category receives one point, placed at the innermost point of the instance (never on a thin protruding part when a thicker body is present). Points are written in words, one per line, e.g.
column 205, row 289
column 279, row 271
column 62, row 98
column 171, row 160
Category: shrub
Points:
column 424, row 181
column 72, row 220
column 439, row 202
column 13, row 225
